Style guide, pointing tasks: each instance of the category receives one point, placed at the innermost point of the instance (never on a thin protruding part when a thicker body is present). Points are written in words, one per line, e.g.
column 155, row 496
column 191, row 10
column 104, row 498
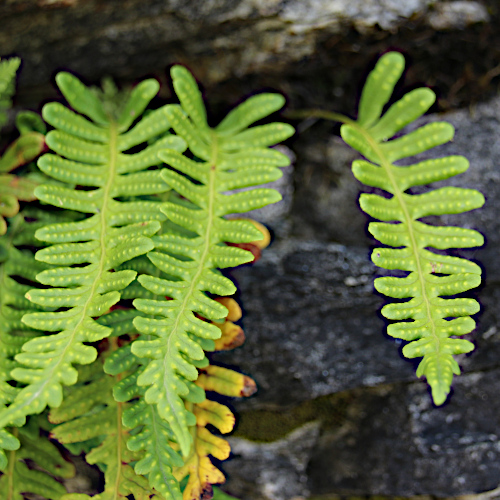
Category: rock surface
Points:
column 310, row 49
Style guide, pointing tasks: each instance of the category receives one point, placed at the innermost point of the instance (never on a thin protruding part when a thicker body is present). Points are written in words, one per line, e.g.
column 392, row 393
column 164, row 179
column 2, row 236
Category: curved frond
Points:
column 228, row 157
column 427, row 321
column 83, row 283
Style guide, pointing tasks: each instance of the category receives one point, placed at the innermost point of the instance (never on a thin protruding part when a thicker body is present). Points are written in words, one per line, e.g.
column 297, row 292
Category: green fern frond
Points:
column 23, row 150
column 84, row 254
column 231, row 156
column 151, row 436
column 89, row 412
column 8, row 69
column 19, row 479
column 427, row 321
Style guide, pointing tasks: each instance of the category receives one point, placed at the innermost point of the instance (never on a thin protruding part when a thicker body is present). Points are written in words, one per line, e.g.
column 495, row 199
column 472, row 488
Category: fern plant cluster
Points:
column 112, row 290
column 112, row 284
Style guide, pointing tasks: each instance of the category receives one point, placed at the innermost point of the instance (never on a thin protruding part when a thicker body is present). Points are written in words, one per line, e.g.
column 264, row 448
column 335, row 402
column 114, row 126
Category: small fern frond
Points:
column 428, row 322
column 8, row 69
column 230, row 156
column 12, row 190
column 198, row 467
column 151, row 436
column 19, row 479
column 23, row 150
column 89, row 413
column 84, row 254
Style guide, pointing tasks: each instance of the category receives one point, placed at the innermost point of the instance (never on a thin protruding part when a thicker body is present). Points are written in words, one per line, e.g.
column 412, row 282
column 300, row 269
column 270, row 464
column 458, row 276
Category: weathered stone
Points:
column 128, row 35
column 274, row 471
column 311, row 325
column 457, row 14
column 396, row 443
column 246, row 45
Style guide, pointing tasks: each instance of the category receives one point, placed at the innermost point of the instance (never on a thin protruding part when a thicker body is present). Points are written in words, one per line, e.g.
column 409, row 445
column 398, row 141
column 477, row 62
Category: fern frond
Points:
column 17, row 267
column 428, row 322
column 152, row 438
column 84, row 254
column 198, row 467
column 230, row 156
column 89, row 412
column 19, row 479
column 13, row 188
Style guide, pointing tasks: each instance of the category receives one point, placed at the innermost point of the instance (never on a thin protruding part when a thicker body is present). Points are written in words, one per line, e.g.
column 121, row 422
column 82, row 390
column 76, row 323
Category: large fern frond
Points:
column 83, row 284
column 427, row 321
column 230, row 156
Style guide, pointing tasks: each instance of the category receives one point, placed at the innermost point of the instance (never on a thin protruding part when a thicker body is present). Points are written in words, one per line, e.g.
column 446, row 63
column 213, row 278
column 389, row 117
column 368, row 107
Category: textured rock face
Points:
column 311, row 49
column 241, row 35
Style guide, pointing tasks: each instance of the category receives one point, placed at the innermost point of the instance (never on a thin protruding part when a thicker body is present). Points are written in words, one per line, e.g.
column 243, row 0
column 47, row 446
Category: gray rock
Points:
column 396, row 443
column 457, row 14
column 218, row 39
column 271, row 471
column 311, row 325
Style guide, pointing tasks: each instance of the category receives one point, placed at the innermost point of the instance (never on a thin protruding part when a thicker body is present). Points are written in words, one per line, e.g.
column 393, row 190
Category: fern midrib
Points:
column 206, row 245
column 4, row 419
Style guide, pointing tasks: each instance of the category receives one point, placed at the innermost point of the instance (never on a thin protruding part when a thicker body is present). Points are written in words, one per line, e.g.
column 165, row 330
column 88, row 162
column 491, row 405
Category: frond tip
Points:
column 427, row 321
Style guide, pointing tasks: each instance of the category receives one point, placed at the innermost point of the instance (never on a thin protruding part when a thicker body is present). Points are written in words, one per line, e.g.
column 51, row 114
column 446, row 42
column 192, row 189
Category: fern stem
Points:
column 320, row 113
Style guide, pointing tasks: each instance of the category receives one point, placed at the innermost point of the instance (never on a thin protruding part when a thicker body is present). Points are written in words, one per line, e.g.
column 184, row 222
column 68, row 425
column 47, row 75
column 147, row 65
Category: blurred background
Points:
column 338, row 411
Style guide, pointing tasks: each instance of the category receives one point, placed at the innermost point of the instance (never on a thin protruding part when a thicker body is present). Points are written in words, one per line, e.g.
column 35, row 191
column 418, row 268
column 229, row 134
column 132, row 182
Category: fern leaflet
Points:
column 8, row 69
